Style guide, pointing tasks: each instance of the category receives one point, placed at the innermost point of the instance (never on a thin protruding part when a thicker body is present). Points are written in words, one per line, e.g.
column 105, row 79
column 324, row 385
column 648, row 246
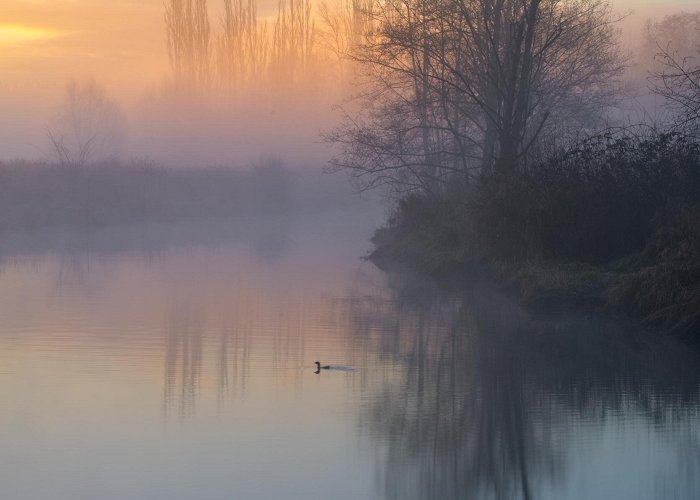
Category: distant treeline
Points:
column 37, row 195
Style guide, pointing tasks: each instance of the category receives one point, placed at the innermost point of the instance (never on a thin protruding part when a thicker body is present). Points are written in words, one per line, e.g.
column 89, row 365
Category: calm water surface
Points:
column 177, row 363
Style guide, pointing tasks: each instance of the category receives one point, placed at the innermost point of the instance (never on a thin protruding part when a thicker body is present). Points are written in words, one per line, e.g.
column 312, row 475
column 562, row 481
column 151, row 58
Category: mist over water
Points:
column 164, row 363
column 173, row 263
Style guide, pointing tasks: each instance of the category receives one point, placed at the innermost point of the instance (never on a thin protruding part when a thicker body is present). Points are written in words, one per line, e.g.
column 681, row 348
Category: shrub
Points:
column 593, row 203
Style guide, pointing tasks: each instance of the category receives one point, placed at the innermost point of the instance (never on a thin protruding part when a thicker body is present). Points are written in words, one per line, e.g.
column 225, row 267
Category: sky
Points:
column 43, row 42
column 46, row 43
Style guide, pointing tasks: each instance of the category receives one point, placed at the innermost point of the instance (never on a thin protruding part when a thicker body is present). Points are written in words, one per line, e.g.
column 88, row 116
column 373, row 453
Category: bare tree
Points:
column 676, row 72
column 188, row 36
column 293, row 41
column 678, row 34
column 243, row 49
column 344, row 25
column 88, row 126
column 678, row 82
column 464, row 86
column 248, row 52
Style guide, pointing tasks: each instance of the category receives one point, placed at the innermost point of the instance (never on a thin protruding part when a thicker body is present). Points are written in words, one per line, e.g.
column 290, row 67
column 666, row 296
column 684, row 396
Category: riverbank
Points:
column 613, row 225
column 664, row 296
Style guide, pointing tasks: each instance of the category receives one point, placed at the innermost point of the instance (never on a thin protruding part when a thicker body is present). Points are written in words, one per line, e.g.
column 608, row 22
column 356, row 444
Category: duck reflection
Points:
column 486, row 391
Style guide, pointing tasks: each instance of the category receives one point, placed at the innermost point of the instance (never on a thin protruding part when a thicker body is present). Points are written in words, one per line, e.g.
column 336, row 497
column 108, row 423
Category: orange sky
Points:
column 43, row 43
column 121, row 44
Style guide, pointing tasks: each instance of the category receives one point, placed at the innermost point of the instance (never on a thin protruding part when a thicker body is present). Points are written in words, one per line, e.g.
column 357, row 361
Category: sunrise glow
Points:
column 14, row 34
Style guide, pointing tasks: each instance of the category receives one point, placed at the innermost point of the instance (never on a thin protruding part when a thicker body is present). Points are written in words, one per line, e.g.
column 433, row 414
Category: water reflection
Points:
column 183, row 362
column 490, row 402
column 184, row 369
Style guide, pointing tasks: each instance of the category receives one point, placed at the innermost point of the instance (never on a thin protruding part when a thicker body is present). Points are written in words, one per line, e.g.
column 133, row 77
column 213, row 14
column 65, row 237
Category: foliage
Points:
column 428, row 232
column 593, row 203
column 615, row 219
column 664, row 287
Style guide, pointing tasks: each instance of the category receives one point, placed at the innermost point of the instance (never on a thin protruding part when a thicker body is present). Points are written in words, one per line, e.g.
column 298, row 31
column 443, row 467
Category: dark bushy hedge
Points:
column 630, row 203
column 594, row 203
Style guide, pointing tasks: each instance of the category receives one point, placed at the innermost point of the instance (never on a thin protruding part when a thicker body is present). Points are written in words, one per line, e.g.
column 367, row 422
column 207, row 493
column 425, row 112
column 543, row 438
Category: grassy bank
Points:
column 612, row 223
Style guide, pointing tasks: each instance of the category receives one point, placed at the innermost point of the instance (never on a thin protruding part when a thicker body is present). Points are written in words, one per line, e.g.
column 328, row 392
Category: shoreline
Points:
column 635, row 290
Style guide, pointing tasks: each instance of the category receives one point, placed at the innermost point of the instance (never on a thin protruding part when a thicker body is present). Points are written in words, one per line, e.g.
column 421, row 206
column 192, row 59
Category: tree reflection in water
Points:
column 183, row 362
column 488, row 395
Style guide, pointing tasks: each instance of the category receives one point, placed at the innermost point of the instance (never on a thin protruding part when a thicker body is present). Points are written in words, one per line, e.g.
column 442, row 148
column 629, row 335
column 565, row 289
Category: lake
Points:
column 177, row 362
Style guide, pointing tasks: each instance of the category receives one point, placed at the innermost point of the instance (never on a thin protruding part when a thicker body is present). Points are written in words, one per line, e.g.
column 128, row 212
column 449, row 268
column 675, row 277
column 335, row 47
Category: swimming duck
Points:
column 319, row 367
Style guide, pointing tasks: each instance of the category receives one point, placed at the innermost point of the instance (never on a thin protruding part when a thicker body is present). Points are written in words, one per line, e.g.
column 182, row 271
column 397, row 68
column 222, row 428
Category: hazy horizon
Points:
column 122, row 47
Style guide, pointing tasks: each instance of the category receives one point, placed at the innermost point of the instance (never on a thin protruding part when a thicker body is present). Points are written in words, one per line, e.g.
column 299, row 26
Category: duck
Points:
column 319, row 367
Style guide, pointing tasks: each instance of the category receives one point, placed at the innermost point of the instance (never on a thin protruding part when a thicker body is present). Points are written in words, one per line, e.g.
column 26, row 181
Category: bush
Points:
column 426, row 231
column 614, row 221
column 663, row 286
column 593, row 203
